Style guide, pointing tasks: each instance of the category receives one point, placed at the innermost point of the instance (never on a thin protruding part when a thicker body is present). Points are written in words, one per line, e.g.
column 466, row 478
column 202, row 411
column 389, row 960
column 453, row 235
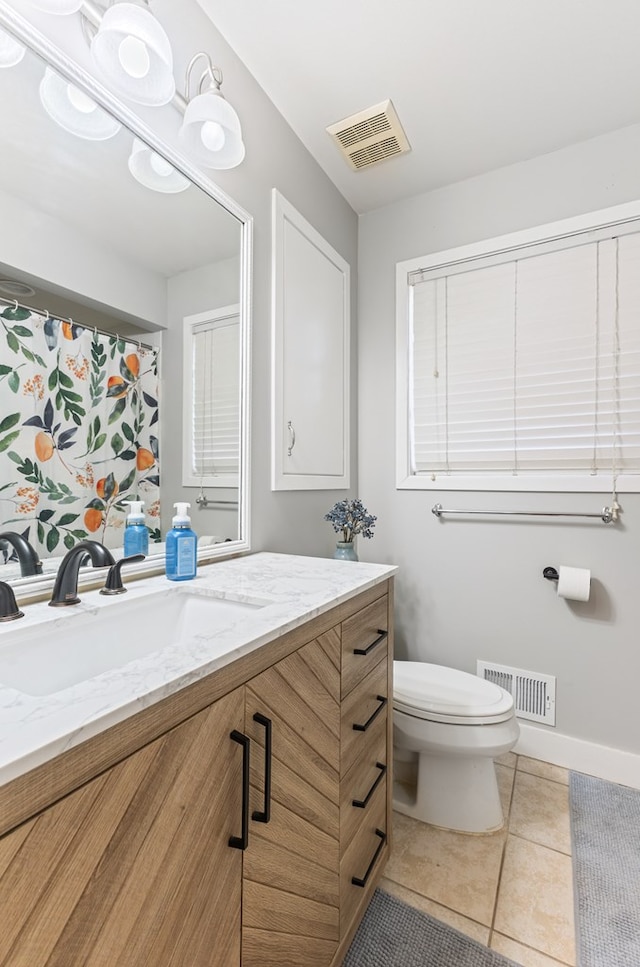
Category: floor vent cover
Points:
column 534, row 695
column 370, row 136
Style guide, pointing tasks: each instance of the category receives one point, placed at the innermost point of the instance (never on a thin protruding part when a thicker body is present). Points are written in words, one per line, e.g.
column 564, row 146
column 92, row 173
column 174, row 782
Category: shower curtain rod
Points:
column 607, row 515
column 53, row 315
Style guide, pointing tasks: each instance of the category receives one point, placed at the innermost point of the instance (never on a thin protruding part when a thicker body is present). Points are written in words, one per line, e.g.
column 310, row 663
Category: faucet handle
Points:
column 113, row 584
column 9, row 610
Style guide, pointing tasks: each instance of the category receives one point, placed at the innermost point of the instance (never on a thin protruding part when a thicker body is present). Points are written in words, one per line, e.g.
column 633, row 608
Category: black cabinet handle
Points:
column 363, row 882
column 363, row 728
column 382, row 636
column 242, row 841
column 265, row 815
column 361, row 803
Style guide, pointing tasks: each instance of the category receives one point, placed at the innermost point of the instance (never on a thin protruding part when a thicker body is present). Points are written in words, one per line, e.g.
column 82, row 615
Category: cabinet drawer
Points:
column 364, row 642
column 363, row 717
column 363, row 860
column 361, row 787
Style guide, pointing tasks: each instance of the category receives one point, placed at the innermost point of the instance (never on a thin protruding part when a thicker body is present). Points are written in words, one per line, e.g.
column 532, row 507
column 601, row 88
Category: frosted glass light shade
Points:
column 152, row 171
column 11, row 51
column 62, row 7
column 211, row 131
column 133, row 53
column 74, row 110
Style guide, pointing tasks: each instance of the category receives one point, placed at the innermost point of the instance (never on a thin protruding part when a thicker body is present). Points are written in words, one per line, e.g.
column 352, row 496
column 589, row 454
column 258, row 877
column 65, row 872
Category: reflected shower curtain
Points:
column 78, row 433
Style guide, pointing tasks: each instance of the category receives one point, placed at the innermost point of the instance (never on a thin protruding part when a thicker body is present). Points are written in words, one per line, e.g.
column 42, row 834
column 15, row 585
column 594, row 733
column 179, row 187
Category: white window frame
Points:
column 405, row 479
column 192, row 323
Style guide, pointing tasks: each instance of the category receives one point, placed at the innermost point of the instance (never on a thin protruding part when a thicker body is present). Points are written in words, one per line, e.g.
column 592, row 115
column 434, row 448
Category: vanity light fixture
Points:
column 74, row 110
column 210, row 130
column 153, row 171
column 133, row 53
column 11, row 52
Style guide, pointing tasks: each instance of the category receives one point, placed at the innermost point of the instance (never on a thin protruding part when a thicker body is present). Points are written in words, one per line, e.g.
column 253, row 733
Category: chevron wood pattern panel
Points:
column 134, row 868
column 291, row 868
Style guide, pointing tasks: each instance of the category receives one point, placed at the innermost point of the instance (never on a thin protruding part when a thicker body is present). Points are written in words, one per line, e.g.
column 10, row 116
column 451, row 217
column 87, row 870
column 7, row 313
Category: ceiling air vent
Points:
column 371, row 136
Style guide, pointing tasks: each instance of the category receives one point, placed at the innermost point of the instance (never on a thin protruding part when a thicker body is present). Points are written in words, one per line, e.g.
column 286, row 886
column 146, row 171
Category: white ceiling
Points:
column 478, row 84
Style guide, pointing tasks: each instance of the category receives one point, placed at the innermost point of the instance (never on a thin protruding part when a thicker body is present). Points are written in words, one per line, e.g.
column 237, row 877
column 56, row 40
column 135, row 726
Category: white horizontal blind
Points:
column 216, row 398
column 529, row 364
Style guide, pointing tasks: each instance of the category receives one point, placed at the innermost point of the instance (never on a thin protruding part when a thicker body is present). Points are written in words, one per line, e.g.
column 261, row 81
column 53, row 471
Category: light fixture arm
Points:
column 212, row 72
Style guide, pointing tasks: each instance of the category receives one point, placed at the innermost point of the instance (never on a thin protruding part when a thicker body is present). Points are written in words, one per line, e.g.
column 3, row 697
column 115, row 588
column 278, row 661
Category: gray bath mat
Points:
column 393, row 934
column 605, row 826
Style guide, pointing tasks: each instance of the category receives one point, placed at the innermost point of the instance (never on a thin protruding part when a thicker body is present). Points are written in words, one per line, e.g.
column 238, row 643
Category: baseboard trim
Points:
column 587, row 757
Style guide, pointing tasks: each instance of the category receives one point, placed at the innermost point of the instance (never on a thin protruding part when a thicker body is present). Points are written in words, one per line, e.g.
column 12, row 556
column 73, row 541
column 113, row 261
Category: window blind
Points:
column 528, row 363
column 216, row 398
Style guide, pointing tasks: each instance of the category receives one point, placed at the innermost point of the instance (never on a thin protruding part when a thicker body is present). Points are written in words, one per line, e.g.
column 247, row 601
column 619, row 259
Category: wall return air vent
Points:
column 370, row 136
column 534, row 695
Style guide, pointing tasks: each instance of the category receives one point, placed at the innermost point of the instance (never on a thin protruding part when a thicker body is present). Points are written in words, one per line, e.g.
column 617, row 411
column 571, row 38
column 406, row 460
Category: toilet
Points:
column 448, row 726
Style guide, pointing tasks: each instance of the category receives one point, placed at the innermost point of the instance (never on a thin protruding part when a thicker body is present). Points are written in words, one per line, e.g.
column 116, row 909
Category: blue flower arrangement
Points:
column 352, row 518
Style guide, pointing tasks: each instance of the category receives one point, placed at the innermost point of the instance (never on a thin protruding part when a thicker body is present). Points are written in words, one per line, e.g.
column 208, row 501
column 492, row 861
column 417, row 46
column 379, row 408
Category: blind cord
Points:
column 616, row 387
column 515, row 368
column 596, row 398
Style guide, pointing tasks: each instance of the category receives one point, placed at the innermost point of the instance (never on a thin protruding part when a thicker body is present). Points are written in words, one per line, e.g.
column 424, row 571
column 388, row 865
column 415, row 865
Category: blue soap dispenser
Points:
column 182, row 547
column 136, row 534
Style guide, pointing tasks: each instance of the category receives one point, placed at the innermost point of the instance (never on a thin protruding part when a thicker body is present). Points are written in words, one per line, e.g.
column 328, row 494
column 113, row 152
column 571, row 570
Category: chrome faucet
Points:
column 65, row 590
column 28, row 559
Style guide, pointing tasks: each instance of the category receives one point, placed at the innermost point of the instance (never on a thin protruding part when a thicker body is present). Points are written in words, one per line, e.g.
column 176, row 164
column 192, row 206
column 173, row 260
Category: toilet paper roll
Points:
column 574, row 583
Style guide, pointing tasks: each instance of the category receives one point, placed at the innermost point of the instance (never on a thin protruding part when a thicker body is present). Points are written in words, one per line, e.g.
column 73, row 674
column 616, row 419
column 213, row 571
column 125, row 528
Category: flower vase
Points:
column 345, row 551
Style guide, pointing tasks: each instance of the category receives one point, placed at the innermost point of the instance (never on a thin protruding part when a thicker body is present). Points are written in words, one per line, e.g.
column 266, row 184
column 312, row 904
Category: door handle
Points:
column 292, row 438
column 265, row 815
column 242, row 841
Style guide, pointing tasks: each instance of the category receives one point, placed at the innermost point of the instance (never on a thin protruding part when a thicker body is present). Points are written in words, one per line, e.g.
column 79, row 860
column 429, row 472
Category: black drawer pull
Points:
column 382, row 636
column 363, row 882
column 265, row 815
column 361, row 803
column 242, row 841
column 363, row 728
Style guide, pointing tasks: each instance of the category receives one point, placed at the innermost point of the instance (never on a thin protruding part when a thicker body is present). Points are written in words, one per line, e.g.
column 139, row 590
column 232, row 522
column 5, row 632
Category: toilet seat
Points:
column 440, row 694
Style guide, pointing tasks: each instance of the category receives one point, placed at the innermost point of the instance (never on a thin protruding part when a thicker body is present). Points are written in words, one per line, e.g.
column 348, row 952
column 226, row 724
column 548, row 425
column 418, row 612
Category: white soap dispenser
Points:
column 182, row 546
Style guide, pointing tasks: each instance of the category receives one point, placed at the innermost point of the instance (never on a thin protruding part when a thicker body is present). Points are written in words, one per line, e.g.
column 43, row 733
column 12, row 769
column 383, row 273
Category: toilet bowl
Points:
column 448, row 726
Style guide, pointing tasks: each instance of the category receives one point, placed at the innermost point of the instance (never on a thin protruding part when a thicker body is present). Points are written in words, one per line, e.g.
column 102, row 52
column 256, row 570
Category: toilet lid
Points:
column 444, row 694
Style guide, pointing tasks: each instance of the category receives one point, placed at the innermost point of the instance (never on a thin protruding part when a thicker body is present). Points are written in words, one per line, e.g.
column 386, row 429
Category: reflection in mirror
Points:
column 105, row 250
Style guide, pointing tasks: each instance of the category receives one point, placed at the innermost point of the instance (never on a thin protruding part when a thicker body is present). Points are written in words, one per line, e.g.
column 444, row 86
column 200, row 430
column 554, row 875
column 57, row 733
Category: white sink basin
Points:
column 49, row 657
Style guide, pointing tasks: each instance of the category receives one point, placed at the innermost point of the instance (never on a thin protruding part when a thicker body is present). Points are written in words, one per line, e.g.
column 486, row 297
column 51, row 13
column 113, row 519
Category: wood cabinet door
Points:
column 135, row 867
column 291, row 889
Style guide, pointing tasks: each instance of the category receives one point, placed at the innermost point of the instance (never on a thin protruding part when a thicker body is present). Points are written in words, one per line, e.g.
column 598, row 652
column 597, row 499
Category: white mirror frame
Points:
column 27, row 34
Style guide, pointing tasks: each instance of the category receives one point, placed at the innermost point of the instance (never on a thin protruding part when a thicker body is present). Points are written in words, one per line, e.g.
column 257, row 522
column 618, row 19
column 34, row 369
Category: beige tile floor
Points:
column 511, row 890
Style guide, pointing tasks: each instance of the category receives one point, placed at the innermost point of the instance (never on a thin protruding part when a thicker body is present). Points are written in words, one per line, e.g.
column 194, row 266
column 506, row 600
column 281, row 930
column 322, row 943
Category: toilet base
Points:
column 458, row 793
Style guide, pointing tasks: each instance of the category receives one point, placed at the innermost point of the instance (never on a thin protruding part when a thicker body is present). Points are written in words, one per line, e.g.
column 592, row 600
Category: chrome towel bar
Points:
column 607, row 515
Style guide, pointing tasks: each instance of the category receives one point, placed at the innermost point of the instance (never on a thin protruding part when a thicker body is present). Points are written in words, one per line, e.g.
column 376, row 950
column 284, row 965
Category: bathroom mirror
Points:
column 103, row 269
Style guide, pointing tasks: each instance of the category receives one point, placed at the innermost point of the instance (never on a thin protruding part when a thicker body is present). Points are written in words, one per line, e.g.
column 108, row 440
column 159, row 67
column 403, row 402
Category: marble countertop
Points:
column 288, row 591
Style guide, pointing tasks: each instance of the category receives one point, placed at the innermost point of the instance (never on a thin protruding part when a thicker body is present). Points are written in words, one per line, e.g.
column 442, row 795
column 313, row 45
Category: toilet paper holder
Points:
column 550, row 573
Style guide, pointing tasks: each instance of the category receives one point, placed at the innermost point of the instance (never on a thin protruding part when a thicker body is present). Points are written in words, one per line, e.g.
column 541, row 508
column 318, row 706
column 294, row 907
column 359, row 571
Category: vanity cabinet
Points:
column 288, row 758
column 134, row 867
column 291, row 890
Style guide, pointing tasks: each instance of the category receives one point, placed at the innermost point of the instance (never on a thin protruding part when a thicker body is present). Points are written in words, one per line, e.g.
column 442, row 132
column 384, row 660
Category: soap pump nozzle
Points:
column 181, row 515
column 135, row 510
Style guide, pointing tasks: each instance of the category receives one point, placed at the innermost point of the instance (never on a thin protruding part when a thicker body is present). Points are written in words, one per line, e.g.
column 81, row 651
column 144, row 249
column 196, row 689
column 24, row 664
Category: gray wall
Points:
column 209, row 287
column 471, row 589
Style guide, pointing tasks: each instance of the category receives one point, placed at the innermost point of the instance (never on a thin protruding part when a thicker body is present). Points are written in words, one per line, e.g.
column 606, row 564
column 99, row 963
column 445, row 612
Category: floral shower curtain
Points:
column 78, row 415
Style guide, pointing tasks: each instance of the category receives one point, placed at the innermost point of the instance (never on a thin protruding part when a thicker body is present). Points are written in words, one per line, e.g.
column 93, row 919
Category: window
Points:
column 518, row 361
column 211, row 451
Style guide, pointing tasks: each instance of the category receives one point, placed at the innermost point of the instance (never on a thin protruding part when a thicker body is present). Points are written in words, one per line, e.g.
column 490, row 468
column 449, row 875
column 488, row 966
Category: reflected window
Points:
column 211, row 455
